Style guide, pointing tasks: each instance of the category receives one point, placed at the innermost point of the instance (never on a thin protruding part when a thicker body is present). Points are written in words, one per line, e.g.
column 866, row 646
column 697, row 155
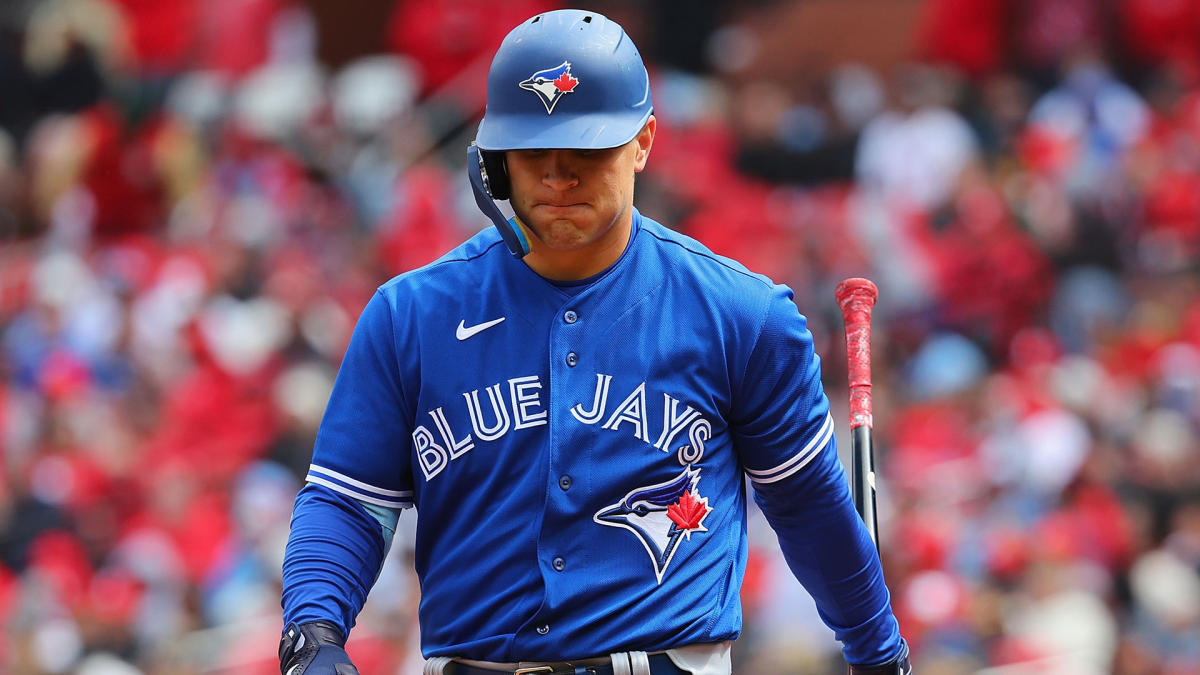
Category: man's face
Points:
column 571, row 199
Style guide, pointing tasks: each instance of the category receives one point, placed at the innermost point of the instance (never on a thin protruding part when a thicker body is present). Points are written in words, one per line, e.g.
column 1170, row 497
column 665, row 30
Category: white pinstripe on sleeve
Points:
column 800, row 459
column 338, row 482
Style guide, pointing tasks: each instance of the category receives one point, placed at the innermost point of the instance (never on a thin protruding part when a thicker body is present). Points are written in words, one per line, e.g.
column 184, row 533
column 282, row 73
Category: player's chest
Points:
column 564, row 343
column 511, row 382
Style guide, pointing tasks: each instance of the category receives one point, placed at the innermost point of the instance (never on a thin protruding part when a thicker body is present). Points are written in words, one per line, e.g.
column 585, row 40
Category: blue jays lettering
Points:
column 522, row 396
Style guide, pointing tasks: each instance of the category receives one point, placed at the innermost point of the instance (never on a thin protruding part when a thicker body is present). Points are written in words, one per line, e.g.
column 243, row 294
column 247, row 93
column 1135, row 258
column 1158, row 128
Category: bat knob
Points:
column 856, row 290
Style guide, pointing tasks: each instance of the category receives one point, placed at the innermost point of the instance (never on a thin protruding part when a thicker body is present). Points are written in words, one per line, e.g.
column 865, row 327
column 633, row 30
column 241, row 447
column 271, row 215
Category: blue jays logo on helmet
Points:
column 661, row 516
column 551, row 84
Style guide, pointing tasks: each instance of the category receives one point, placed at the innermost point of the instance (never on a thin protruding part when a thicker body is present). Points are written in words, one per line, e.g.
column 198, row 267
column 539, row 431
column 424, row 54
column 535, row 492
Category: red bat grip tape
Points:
column 857, row 297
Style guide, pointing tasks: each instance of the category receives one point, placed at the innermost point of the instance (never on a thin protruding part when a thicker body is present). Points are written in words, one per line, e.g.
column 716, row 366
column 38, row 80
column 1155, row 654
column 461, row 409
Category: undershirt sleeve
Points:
column 334, row 553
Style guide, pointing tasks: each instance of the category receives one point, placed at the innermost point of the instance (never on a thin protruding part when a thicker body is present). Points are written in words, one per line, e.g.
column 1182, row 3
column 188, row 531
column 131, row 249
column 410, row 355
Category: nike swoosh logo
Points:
column 462, row 333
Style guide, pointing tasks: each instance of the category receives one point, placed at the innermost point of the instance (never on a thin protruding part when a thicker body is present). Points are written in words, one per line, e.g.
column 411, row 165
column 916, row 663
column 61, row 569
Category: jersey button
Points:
column 559, row 564
column 543, row 629
column 572, row 359
column 570, row 316
column 564, row 482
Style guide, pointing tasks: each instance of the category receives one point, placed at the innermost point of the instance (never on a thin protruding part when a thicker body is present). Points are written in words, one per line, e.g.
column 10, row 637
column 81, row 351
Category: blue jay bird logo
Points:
column 551, row 84
column 661, row 516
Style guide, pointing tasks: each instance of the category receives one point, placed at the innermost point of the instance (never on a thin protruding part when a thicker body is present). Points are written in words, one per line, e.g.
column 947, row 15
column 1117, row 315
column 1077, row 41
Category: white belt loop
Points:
column 639, row 663
column 620, row 662
column 436, row 665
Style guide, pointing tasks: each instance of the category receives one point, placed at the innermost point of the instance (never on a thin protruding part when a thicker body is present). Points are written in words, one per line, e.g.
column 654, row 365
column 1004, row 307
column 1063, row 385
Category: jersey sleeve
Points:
column 784, row 434
column 780, row 416
column 362, row 447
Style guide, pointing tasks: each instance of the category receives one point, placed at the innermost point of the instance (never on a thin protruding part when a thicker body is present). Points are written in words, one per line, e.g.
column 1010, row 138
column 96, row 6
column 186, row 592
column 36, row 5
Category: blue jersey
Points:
column 578, row 457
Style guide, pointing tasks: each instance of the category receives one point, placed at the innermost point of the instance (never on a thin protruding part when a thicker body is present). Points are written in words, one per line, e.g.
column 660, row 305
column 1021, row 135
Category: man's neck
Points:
column 585, row 262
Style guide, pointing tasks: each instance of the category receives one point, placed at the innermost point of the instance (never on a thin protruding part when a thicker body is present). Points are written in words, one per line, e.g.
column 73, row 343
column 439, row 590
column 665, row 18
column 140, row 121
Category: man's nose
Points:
column 559, row 173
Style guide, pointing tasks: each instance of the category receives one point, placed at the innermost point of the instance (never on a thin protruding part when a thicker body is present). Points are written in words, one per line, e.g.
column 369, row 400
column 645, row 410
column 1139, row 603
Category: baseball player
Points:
column 575, row 402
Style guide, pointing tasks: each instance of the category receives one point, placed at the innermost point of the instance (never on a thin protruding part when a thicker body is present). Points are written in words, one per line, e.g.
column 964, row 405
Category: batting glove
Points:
column 314, row 648
column 897, row 666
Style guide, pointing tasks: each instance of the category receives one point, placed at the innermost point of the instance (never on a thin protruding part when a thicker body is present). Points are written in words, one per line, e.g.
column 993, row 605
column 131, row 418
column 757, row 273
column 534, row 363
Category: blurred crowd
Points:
column 195, row 205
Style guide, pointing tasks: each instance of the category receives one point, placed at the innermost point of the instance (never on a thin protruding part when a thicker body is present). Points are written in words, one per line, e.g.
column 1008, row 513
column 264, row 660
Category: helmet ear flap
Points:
column 495, row 174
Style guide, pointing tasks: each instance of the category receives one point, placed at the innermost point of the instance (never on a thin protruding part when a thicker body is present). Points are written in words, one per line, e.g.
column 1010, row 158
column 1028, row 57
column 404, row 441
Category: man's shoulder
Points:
column 457, row 266
column 688, row 256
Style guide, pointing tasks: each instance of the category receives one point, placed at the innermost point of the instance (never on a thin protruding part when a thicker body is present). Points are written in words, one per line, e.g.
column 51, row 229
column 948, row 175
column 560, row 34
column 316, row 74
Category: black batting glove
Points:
column 314, row 648
column 897, row 666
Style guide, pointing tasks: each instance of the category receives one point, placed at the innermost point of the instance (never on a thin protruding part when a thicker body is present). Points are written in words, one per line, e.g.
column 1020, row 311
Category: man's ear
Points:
column 644, row 139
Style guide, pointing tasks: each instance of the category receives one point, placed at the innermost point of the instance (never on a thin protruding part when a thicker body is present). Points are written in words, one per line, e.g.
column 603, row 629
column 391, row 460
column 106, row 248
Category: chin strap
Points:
column 512, row 230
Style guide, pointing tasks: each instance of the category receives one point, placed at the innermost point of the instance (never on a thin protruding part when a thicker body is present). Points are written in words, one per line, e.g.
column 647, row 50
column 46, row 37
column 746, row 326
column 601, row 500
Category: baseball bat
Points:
column 857, row 296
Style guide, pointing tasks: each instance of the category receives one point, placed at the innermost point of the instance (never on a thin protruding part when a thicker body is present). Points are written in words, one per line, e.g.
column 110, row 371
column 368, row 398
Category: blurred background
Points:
column 197, row 197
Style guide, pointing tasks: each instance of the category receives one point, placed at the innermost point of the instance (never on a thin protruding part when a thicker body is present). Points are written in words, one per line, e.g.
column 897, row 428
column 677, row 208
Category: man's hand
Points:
column 314, row 648
column 897, row 666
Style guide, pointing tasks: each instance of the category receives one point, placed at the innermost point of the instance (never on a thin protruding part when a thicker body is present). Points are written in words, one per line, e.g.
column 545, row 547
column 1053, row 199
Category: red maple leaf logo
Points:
column 565, row 83
column 689, row 512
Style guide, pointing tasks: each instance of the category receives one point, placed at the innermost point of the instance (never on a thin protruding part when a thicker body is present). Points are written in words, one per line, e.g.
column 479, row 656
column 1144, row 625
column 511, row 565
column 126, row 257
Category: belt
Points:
column 660, row 664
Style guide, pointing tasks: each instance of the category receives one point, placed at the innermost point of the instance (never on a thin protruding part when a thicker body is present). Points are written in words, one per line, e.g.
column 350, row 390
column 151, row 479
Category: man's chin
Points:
column 571, row 240
column 558, row 230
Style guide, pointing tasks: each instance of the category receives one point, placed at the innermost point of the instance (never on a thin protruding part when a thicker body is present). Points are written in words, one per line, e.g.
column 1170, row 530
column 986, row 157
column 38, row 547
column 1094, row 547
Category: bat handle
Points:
column 857, row 298
column 864, row 483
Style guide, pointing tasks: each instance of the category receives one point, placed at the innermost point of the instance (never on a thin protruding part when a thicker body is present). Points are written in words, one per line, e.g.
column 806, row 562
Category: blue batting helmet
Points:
column 565, row 79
